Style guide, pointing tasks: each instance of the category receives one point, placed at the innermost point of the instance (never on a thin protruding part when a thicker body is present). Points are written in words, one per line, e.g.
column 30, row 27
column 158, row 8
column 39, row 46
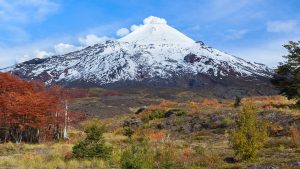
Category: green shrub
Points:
column 249, row 135
column 180, row 112
column 93, row 146
column 227, row 122
column 128, row 132
column 200, row 150
column 157, row 114
column 137, row 156
column 90, row 123
column 165, row 157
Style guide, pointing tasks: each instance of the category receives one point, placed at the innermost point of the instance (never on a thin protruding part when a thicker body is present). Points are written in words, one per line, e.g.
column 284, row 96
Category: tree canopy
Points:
column 30, row 111
column 287, row 77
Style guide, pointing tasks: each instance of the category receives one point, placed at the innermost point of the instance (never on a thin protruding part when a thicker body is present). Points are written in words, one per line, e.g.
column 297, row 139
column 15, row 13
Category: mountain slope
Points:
column 154, row 54
column 157, row 33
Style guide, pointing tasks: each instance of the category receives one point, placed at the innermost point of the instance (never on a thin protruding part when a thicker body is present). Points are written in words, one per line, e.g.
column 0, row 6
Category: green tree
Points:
column 249, row 135
column 93, row 146
column 287, row 77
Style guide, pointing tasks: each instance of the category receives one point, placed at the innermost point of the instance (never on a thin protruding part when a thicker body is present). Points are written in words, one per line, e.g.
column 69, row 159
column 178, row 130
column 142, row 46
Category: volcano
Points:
column 153, row 54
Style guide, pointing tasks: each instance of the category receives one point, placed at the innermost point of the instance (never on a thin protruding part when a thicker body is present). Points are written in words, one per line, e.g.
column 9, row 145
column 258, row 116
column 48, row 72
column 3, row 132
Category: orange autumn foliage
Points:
column 157, row 136
column 210, row 103
column 167, row 103
column 29, row 111
column 186, row 154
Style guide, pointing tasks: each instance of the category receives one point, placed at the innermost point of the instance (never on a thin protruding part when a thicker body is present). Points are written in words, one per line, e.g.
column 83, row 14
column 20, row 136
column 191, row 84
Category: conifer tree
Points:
column 287, row 77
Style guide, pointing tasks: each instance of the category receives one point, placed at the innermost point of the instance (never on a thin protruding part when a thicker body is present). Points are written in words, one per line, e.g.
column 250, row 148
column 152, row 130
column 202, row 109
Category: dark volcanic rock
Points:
column 190, row 124
column 281, row 119
column 192, row 58
column 140, row 110
column 132, row 123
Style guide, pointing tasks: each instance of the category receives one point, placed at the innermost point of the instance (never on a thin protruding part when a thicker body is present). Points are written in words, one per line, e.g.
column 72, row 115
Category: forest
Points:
column 30, row 112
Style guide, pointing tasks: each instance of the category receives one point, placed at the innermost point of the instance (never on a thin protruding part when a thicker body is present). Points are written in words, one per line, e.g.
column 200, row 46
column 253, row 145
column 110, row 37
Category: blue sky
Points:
column 251, row 29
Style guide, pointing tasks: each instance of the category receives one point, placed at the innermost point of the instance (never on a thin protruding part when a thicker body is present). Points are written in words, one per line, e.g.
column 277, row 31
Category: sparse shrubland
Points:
column 187, row 135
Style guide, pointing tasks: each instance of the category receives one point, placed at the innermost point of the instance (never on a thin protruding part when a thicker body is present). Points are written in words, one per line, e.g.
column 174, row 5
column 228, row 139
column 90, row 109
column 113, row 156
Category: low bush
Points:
column 200, row 150
column 227, row 122
column 179, row 112
column 137, row 156
column 157, row 114
column 128, row 132
column 93, row 146
column 249, row 135
column 165, row 157
column 91, row 122
column 295, row 136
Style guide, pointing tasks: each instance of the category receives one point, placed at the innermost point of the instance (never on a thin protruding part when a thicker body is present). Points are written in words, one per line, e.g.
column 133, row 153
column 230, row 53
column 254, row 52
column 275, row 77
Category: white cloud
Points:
column 122, row 32
column 36, row 54
column 88, row 40
column 154, row 20
column 92, row 39
column 23, row 59
column 12, row 55
column 149, row 20
column 41, row 54
column 233, row 34
column 63, row 48
column 16, row 15
column 283, row 26
column 24, row 11
column 135, row 27
column 9, row 55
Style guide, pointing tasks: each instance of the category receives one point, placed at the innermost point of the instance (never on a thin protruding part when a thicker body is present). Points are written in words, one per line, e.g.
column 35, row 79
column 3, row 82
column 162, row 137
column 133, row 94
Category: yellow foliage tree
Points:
column 249, row 135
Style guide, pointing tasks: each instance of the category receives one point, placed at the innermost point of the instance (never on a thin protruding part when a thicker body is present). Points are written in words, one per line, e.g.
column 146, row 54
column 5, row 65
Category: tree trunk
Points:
column 66, row 121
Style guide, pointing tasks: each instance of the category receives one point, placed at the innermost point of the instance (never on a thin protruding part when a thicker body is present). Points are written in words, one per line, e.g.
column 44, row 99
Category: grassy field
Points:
column 191, row 134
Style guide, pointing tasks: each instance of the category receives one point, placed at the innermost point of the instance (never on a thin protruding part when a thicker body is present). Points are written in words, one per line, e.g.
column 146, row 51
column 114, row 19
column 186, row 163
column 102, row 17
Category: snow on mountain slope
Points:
column 156, row 31
column 153, row 51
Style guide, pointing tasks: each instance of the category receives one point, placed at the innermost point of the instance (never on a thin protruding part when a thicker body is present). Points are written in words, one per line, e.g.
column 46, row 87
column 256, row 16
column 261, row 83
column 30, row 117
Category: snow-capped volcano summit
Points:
column 156, row 31
column 153, row 53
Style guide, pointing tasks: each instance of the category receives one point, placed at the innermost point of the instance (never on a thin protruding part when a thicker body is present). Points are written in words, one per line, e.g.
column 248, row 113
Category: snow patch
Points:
column 155, row 31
